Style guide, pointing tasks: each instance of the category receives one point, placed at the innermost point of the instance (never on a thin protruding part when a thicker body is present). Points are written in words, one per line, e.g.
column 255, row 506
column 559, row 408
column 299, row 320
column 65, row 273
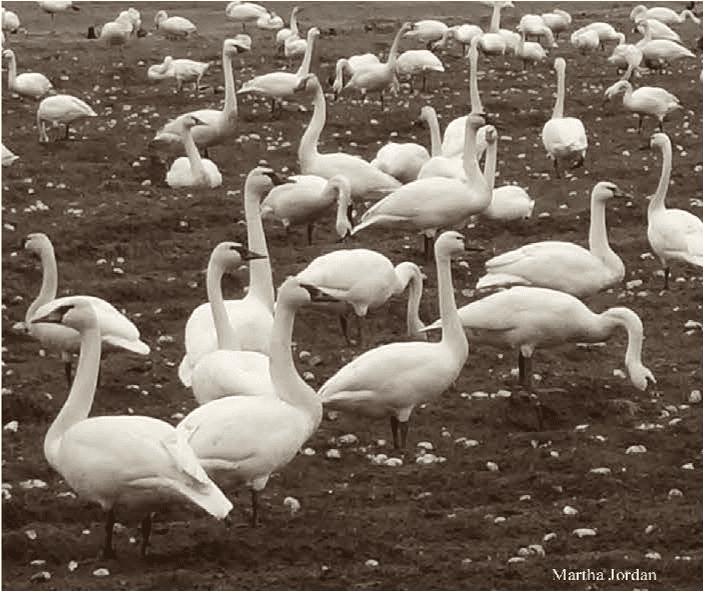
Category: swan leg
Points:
column 525, row 370
column 310, row 228
column 556, row 168
column 146, row 533
column 108, row 550
column 254, row 508
column 667, row 272
column 394, row 430
column 67, row 362
column 429, row 247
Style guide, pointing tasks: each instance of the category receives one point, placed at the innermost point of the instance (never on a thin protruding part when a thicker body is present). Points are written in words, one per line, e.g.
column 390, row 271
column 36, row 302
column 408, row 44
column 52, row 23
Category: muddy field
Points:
column 499, row 508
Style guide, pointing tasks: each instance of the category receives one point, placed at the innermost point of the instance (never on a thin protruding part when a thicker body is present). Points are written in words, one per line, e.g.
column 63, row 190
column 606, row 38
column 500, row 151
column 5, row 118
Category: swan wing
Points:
column 677, row 234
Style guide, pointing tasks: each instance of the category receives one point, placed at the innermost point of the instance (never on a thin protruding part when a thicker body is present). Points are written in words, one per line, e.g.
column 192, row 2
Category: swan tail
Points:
column 139, row 347
column 185, row 372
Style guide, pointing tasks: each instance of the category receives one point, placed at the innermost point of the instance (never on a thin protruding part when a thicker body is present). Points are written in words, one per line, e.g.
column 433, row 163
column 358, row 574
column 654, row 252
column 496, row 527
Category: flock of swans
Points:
column 255, row 410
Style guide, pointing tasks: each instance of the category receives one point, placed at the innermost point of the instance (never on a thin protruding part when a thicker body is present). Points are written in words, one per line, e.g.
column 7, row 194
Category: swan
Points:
column 558, row 21
column 307, row 198
column 192, row 170
column 663, row 14
column 10, row 21
column 365, row 179
column 269, row 22
column 658, row 30
column 116, row 329
column 243, row 12
column 526, row 318
column 439, row 164
column 219, row 125
column 508, row 202
column 117, row 33
column 534, row 25
column 348, row 66
column 453, row 141
column 175, row 27
column 585, row 41
column 285, row 32
column 251, row 317
column 392, row 379
column 228, row 371
column 248, row 438
column 626, row 56
column 418, row 61
column 462, row 34
column 529, row 51
column 428, row 32
column 281, row 86
column 30, row 84
column 646, row 100
column 428, row 204
column 402, row 161
column 181, row 69
column 378, row 77
column 8, row 157
column 606, row 32
column 673, row 234
column 564, row 138
column 493, row 42
column 563, row 266
column 133, row 461
column 365, row 279
column 655, row 52
column 61, row 109
column 54, row 6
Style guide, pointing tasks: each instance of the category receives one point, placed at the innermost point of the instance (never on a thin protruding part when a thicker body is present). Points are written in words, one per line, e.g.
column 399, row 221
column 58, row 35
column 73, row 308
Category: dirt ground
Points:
column 500, row 508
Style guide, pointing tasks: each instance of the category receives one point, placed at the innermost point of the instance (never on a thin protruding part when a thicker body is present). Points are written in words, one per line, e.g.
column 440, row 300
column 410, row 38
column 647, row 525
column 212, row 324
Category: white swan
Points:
column 53, row 6
column 606, row 32
column 280, row 86
column 427, row 31
column 131, row 461
column 415, row 62
column 462, row 34
column 558, row 21
column 402, row 161
column 392, row 379
column 534, row 25
column 117, row 34
column 563, row 266
column 219, row 124
column 31, row 84
column 626, row 56
column 364, row 178
column 228, row 371
column 285, row 32
column 243, row 12
column 305, row 199
column 192, row 170
column 508, row 202
column 365, row 279
column 673, row 234
column 117, row 330
column 493, row 42
column 656, row 52
column 646, row 100
column 658, row 30
column 527, row 318
column 378, row 77
column 429, row 204
column 586, row 41
column 252, row 316
column 8, row 157
column 181, row 70
column 439, row 164
column 663, row 14
column 61, row 109
column 10, row 21
column 175, row 27
column 269, row 22
column 529, row 51
column 347, row 66
column 248, row 438
column 564, row 138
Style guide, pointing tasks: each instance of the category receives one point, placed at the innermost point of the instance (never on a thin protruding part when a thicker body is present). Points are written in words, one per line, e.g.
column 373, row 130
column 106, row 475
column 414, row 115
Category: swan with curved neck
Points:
column 192, row 170
column 508, row 202
column 228, row 371
column 427, row 31
column 493, row 42
column 347, row 66
column 673, row 234
column 31, row 84
column 252, row 316
column 429, row 204
column 286, row 32
column 218, row 124
column 528, row 318
column 564, row 138
column 558, row 21
column 646, row 100
column 402, row 161
column 364, row 178
column 366, row 280
column 656, row 52
column 246, row 438
column 175, row 27
column 378, row 77
column 61, row 109
column 392, row 379
column 563, row 266
column 279, row 86
column 439, row 164
column 307, row 199
column 181, row 70
column 663, row 14
column 116, row 329
column 130, row 461
column 534, row 25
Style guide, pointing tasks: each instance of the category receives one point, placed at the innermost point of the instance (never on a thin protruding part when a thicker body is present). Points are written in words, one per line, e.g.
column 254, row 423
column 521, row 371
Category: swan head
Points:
column 614, row 89
column 637, row 12
column 229, row 255
column 606, row 190
column 640, row 376
column 8, row 54
column 308, row 84
column 160, row 17
column 76, row 313
column 560, row 65
column 661, row 141
column 261, row 180
column 491, row 134
column 313, row 33
column 37, row 242
column 237, row 44
column 294, row 293
column 450, row 244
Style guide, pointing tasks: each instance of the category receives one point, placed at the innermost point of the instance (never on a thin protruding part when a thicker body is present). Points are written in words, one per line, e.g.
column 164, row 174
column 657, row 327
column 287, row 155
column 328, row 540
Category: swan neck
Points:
column 12, row 70
column 657, row 201
column 343, row 202
column 82, row 393
column 475, row 98
column 631, row 322
column 49, row 283
column 410, row 276
column 435, row 135
column 223, row 328
column 197, row 168
column 230, row 108
column 495, row 19
column 558, row 112
column 470, row 161
column 260, row 274
column 597, row 231
column 307, row 150
column 393, row 52
column 304, row 68
column 489, row 165
column 452, row 329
